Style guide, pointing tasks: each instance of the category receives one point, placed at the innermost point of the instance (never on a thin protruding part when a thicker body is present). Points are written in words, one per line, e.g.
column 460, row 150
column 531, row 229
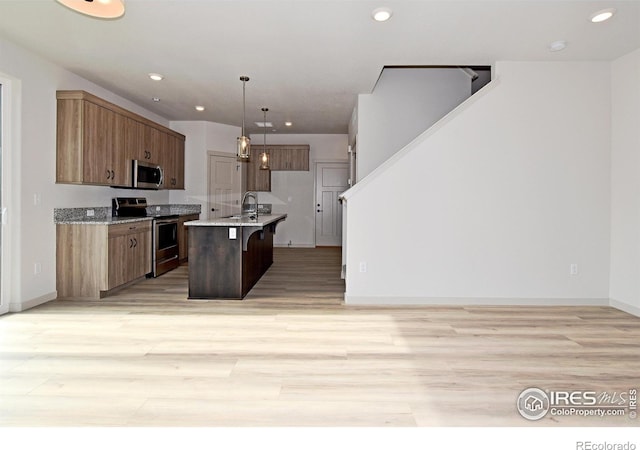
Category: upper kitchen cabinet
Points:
column 172, row 161
column 97, row 140
column 288, row 157
column 86, row 141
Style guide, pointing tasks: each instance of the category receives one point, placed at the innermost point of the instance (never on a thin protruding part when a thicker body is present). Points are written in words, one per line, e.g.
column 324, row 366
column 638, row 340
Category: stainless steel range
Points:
column 164, row 246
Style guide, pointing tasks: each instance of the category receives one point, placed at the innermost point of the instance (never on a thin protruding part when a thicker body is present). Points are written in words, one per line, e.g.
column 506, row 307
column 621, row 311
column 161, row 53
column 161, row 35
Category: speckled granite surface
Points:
column 102, row 214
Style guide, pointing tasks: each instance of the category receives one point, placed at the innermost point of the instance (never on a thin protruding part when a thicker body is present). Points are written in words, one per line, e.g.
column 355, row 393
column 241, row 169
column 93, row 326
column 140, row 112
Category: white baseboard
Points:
column 19, row 307
column 633, row 310
column 470, row 301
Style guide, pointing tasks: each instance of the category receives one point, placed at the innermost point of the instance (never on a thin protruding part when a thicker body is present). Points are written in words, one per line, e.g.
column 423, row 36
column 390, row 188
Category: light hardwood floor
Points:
column 291, row 354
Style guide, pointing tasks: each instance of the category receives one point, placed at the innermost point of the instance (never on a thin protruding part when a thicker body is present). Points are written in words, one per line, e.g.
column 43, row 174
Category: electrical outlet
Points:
column 91, row 213
column 233, row 233
column 363, row 267
column 37, row 199
column 573, row 269
column 157, row 208
column 37, row 268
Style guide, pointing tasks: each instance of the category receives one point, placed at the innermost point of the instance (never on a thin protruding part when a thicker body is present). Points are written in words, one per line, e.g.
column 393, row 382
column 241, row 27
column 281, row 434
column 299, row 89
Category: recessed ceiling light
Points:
column 264, row 124
column 602, row 15
column 288, row 124
column 155, row 76
column 200, row 108
column 557, row 46
column 156, row 99
column 381, row 14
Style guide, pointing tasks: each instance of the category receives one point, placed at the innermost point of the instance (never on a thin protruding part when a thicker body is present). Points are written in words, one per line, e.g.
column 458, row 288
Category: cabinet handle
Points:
column 135, row 242
column 113, row 175
column 130, row 243
column 108, row 174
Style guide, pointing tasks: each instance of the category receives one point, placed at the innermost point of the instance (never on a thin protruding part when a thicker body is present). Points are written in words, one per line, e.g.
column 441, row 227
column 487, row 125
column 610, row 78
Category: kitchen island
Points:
column 228, row 256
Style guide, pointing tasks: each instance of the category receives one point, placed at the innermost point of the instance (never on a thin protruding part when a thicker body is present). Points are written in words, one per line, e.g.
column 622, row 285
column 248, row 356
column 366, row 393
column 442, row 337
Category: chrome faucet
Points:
column 253, row 195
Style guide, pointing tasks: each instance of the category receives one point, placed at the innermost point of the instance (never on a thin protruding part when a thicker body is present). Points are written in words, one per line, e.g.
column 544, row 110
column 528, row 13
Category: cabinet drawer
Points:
column 122, row 229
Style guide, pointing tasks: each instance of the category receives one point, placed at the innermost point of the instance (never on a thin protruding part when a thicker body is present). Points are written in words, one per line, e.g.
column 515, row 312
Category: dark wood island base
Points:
column 227, row 257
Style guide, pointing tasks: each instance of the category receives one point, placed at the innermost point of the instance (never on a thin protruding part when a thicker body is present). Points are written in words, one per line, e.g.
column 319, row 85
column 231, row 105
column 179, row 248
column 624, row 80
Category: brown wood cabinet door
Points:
column 277, row 158
column 119, row 254
column 133, row 140
column 257, row 180
column 120, row 162
column 140, row 258
column 298, row 158
column 173, row 162
column 153, row 145
column 129, row 257
column 98, row 142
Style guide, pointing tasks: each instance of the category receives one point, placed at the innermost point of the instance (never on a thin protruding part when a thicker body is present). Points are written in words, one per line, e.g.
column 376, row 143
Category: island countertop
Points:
column 262, row 221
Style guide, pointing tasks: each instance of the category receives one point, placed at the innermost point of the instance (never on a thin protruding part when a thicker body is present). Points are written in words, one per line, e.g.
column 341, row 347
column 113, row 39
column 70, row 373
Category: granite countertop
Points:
column 244, row 221
column 102, row 215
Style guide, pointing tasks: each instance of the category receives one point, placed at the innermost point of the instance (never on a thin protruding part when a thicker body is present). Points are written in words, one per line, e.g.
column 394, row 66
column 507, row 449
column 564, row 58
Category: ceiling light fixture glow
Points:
column 381, row 14
column 102, row 9
column 602, row 15
column 155, row 76
column 200, row 108
column 156, row 99
column 288, row 124
column 557, row 46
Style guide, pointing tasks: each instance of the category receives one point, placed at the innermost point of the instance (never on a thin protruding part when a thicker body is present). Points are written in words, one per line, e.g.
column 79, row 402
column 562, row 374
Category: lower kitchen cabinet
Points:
column 95, row 259
column 183, row 236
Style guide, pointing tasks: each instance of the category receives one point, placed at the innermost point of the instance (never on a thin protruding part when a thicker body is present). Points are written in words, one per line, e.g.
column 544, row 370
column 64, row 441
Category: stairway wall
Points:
column 496, row 201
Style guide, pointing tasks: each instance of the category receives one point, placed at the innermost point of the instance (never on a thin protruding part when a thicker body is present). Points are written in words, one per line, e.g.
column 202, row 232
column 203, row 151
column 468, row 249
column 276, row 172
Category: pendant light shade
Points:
column 264, row 156
column 244, row 143
column 102, row 9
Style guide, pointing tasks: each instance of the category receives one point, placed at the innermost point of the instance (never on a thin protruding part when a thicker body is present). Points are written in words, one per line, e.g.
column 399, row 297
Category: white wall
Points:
column 201, row 138
column 496, row 201
column 33, row 153
column 625, row 186
column 293, row 192
column 404, row 103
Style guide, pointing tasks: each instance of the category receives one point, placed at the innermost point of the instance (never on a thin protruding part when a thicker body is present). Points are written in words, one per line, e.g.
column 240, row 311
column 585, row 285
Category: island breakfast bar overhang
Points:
column 228, row 256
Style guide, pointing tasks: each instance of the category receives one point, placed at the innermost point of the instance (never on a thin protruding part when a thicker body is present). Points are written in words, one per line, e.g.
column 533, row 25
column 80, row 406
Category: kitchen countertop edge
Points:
column 262, row 221
column 103, row 221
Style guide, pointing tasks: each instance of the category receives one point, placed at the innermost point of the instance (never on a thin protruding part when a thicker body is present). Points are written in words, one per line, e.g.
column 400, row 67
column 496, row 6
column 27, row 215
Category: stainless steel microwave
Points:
column 147, row 176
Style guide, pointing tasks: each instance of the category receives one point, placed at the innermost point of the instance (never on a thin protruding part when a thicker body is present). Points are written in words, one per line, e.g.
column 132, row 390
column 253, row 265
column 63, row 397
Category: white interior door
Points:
column 332, row 179
column 224, row 185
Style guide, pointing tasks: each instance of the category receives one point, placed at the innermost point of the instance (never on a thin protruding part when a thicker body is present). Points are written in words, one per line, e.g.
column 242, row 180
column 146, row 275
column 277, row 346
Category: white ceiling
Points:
column 307, row 59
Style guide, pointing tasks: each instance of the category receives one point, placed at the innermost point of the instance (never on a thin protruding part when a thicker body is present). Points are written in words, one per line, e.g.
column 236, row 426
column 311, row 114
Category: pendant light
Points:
column 102, row 9
column 244, row 143
column 264, row 156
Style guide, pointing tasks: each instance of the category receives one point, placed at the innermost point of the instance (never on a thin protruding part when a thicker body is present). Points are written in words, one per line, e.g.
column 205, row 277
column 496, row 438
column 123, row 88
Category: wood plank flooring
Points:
column 292, row 354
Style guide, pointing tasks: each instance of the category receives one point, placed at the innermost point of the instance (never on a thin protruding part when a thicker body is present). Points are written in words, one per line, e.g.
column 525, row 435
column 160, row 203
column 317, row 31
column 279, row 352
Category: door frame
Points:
column 241, row 176
column 315, row 189
column 9, row 233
